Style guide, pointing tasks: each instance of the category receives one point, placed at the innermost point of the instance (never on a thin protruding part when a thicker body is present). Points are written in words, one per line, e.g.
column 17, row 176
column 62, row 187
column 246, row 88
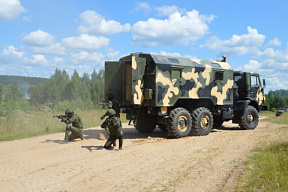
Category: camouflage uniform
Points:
column 114, row 126
column 113, row 104
column 76, row 128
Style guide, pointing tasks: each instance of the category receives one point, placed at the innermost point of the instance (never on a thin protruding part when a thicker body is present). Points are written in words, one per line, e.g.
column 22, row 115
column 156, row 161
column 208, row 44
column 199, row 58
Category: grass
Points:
column 21, row 124
column 267, row 169
column 277, row 120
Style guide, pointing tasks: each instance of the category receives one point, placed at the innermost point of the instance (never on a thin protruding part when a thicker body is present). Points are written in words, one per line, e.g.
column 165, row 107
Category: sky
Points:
column 38, row 36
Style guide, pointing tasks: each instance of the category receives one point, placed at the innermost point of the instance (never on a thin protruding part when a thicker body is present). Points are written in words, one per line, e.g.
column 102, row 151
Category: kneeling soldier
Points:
column 75, row 129
column 113, row 123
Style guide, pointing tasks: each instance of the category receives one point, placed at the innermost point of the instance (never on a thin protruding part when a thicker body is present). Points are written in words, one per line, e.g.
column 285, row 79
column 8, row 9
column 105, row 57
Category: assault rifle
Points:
column 103, row 105
column 60, row 116
column 107, row 122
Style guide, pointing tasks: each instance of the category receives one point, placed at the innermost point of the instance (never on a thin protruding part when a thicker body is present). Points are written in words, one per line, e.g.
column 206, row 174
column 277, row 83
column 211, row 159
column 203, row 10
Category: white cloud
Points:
column 38, row 38
column 10, row 54
column 237, row 44
column 253, row 66
column 85, row 42
column 84, row 56
column 274, row 42
column 177, row 29
column 169, row 10
column 37, row 59
column 53, row 49
column 10, row 9
column 94, row 23
column 143, row 6
column 276, row 83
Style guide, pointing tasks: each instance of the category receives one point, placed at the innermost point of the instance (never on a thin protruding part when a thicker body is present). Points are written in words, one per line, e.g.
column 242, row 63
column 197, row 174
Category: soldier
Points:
column 114, row 125
column 112, row 104
column 76, row 127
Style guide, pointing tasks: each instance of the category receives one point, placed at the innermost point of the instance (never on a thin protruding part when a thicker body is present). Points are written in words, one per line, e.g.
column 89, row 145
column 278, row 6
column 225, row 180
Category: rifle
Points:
column 107, row 122
column 60, row 116
column 103, row 105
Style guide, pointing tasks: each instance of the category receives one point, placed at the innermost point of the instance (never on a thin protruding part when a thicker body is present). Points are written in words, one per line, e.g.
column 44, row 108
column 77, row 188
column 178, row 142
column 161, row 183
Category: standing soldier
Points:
column 76, row 128
column 114, row 125
column 112, row 104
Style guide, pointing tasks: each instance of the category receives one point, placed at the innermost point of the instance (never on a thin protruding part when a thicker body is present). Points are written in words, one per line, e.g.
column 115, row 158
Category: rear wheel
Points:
column 180, row 123
column 202, row 121
column 250, row 118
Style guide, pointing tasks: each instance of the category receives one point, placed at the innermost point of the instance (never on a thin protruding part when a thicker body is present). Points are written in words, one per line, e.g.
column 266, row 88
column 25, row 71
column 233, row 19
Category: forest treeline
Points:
column 24, row 82
column 56, row 93
column 277, row 99
column 60, row 91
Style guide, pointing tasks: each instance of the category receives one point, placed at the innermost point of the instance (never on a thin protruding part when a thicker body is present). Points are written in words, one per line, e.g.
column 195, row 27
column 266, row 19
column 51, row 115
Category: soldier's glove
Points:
column 102, row 117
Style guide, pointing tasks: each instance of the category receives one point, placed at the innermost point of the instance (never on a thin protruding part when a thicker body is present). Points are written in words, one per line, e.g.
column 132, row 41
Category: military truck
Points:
column 183, row 96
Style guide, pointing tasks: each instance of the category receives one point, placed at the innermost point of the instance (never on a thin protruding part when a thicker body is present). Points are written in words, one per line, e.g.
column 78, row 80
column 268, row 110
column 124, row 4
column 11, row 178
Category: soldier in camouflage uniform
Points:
column 114, row 125
column 75, row 129
column 112, row 104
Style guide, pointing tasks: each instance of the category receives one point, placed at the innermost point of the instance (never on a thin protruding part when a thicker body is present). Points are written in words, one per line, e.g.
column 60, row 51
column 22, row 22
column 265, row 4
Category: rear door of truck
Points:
column 114, row 82
column 138, row 70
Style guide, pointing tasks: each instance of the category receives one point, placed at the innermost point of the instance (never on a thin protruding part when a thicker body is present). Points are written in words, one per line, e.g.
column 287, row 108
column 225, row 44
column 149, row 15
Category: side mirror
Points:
column 264, row 83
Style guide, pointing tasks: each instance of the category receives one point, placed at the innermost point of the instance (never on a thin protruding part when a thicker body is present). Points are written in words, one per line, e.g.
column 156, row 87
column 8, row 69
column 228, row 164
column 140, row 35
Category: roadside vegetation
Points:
column 267, row 169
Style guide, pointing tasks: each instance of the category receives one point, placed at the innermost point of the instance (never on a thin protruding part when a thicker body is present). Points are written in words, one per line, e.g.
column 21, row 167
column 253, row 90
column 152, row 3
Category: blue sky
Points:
column 38, row 36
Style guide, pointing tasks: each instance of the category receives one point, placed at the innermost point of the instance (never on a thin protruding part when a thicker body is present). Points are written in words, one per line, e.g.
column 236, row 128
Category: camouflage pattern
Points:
column 160, row 81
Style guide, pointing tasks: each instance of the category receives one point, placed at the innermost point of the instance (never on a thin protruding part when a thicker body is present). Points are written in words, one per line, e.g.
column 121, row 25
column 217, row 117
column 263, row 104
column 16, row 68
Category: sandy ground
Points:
column 148, row 162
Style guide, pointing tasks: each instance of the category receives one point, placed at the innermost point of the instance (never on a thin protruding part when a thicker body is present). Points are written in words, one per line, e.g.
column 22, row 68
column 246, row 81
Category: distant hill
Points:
column 24, row 82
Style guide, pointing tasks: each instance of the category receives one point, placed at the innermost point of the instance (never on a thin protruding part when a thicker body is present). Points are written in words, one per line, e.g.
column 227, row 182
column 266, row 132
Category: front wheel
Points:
column 250, row 118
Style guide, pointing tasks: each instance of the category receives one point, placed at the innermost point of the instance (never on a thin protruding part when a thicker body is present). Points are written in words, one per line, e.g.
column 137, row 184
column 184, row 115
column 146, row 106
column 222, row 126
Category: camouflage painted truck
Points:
column 183, row 96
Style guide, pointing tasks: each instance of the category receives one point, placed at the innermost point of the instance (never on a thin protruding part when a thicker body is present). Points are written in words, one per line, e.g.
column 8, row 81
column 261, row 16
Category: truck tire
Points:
column 145, row 124
column 250, row 118
column 202, row 122
column 180, row 123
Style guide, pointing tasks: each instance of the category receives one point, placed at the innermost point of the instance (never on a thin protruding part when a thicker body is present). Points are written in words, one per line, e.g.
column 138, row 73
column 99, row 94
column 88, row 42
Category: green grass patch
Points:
column 19, row 124
column 283, row 119
column 267, row 170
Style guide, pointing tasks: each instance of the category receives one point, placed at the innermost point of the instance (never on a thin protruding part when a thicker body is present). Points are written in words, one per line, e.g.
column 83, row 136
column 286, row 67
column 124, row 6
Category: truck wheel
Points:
column 180, row 123
column 145, row 124
column 202, row 121
column 250, row 118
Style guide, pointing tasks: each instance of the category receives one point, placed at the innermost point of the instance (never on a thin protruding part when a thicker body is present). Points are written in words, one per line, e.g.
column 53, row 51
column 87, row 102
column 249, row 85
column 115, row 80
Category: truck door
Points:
column 114, row 79
column 256, row 88
column 138, row 70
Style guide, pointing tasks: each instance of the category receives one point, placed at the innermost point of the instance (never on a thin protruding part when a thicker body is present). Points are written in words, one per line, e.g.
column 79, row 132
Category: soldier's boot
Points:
column 81, row 136
column 120, row 144
column 66, row 137
column 66, row 140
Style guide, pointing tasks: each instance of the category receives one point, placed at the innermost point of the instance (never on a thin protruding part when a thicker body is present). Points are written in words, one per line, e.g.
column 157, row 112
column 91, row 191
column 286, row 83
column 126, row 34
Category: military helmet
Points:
column 110, row 96
column 110, row 112
column 68, row 111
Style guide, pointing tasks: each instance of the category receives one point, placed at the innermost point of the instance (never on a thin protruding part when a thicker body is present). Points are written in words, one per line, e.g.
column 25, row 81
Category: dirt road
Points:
column 148, row 162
